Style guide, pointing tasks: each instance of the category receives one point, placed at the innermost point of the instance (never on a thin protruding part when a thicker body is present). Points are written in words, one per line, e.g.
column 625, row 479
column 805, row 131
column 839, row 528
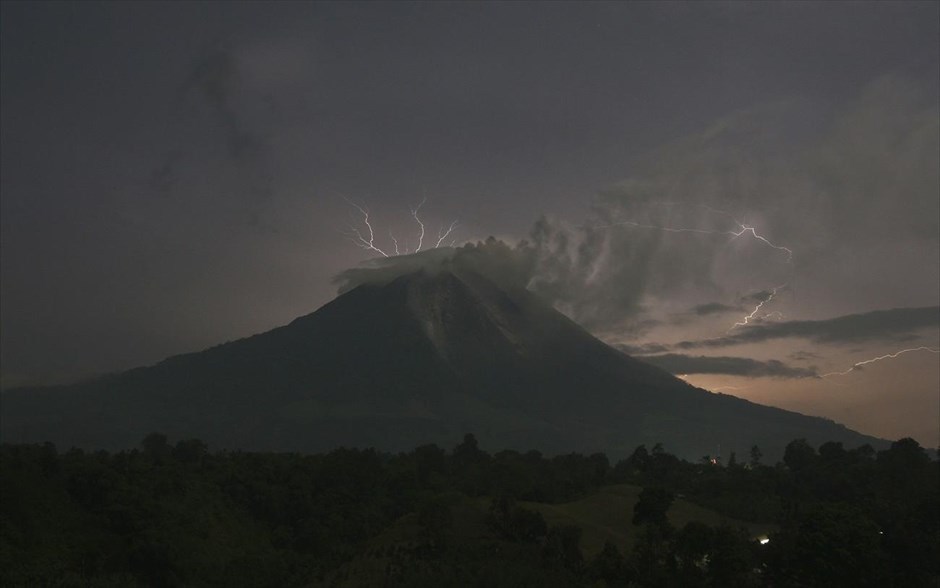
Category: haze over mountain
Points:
column 422, row 351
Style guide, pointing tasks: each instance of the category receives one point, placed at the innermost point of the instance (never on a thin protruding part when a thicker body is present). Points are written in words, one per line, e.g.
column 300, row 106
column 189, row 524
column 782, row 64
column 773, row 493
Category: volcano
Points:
column 422, row 357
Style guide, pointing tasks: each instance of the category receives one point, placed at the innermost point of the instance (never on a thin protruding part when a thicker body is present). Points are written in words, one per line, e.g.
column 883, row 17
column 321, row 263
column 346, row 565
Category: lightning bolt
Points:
column 747, row 229
column 414, row 213
column 356, row 237
column 879, row 358
column 753, row 232
column 733, row 234
column 365, row 238
column 442, row 234
column 743, row 228
column 746, row 320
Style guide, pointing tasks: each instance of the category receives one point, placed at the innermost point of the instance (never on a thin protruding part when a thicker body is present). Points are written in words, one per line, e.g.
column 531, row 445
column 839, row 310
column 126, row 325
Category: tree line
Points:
column 178, row 514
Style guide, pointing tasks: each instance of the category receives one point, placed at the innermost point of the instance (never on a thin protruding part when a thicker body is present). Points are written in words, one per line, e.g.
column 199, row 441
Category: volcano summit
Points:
column 418, row 357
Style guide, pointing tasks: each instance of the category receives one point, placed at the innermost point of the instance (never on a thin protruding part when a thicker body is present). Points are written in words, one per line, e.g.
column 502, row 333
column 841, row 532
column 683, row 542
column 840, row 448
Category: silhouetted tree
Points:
column 652, row 506
column 755, row 456
column 190, row 450
column 468, row 451
column 690, row 547
column 563, row 545
column 640, row 459
column 830, row 545
column 609, row 566
column 515, row 523
column 799, row 455
column 155, row 446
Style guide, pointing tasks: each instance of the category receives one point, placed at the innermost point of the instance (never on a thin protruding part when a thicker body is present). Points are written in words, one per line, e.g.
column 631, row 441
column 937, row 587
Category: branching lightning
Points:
column 746, row 229
column 743, row 229
column 356, row 237
column 442, row 234
column 364, row 237
column 748, row 318
column 753, row 232
column 859, row 365
column 414, row 213
column 733, row 234
column 757, row 314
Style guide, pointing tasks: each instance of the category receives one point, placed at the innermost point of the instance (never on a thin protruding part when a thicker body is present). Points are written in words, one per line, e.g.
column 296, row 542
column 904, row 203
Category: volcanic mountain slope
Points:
column 422, row 358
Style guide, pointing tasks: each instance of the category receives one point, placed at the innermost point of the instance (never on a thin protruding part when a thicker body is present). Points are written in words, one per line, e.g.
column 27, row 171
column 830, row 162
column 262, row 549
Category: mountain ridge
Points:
column 423, row 357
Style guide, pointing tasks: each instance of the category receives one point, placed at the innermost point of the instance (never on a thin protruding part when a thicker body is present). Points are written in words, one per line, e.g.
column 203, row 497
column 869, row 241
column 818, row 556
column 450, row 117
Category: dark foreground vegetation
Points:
column 178, row 515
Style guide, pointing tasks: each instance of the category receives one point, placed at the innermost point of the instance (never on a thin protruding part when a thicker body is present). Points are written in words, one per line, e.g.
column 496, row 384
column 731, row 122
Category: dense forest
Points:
column 176, row 514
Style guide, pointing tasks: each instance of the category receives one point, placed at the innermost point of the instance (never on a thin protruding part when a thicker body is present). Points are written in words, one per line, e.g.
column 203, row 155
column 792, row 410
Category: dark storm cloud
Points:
column 896, row 324
column 757, row 296
column 711, row 308
column 804, row 356
column 675, row 224
column 643, row 349
column 217, row 82
column 573, row 274
column 511, row 109
column 216, row 78
column 732, row 366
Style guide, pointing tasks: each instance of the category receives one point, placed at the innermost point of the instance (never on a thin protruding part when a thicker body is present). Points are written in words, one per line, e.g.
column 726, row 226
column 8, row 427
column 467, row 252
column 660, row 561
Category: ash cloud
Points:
column 791, row 176
column 733, row 366
column 814, row 185
column 510, row 266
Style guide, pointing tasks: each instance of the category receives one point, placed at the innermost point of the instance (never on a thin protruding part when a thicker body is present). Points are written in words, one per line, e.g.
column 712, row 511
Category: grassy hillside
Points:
column 606, row 516
column 402, row 550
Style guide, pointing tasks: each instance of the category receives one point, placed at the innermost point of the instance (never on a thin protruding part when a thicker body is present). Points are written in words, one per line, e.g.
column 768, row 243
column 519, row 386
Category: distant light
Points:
column 764, row 541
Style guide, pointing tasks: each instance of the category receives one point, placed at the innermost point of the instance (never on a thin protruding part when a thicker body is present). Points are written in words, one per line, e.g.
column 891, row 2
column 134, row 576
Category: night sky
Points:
column 178, row 175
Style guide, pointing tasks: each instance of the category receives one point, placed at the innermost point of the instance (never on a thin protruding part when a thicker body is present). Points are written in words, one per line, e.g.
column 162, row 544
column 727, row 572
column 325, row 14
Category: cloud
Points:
column 666, row 234
column 803, row 356
column 813, row 185
column 884, row 144
column 510, row 266
column 735, row 366
column 216, row 78
column 711, row 308
column 896, row 324
column 644, row 349
column 219, row 99
column 759, row 296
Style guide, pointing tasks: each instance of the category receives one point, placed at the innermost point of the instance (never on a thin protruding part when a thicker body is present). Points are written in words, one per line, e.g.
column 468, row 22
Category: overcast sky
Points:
column 176, row 175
